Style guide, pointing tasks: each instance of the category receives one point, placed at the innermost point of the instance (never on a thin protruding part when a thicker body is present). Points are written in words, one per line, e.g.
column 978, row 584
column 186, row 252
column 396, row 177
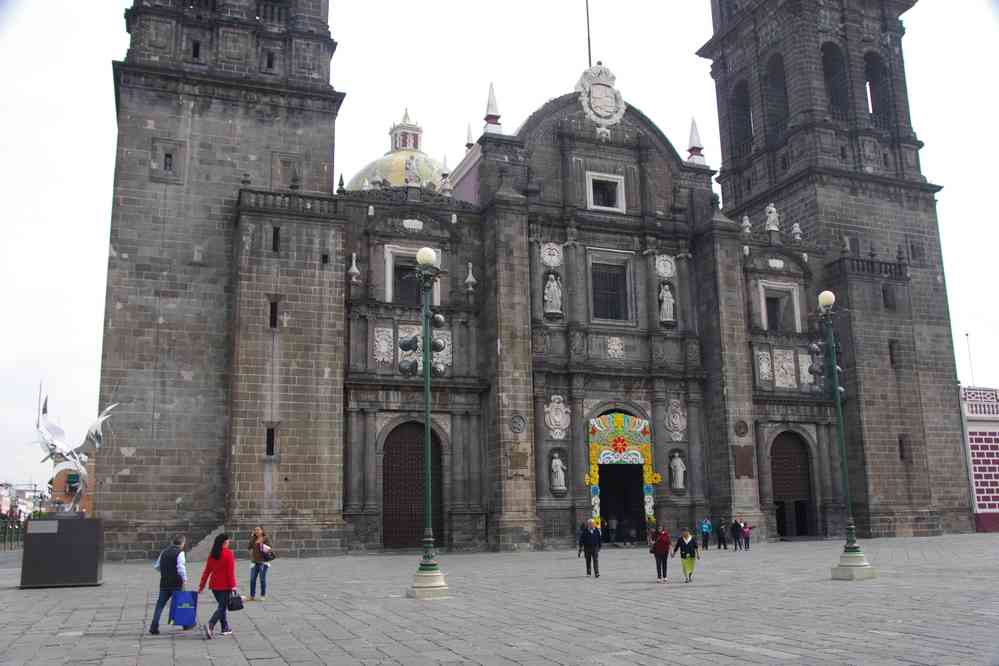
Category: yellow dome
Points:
column 399, row 167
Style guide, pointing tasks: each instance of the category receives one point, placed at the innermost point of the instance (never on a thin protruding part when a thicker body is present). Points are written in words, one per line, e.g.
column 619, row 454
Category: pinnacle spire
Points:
column 469, row 141
column 696, row 145
column 405, row 116
column 492, row 114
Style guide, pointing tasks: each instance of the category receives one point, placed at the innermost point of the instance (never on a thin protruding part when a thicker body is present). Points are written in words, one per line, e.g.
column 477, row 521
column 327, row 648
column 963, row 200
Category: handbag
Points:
column 235, row 602
column 267, row 553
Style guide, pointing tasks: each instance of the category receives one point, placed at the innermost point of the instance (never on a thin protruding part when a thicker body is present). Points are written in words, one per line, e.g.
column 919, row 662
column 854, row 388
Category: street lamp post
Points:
column 853, row 564
column 429, row 582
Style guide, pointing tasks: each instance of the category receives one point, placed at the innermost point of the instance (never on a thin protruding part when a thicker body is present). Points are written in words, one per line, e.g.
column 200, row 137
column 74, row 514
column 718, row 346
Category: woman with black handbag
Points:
column 220, row 567
column 261, row 554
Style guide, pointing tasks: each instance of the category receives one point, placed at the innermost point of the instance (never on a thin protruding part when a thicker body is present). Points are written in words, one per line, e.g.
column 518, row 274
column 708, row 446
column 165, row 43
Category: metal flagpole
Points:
column 589, row 50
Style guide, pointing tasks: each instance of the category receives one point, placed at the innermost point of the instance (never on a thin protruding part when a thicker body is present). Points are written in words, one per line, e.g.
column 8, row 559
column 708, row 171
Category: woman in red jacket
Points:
column 221, row 568
column 660, row 548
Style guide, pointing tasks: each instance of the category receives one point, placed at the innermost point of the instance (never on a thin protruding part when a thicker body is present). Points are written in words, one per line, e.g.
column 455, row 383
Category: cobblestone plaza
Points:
column 934, row 603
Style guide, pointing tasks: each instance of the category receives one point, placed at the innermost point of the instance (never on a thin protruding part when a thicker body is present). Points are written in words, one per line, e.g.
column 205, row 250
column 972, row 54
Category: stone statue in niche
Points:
column 667, row 304
column 553, row 295
column 773, row 218
column 677, row 472
column 557, row 417
column 558, row 473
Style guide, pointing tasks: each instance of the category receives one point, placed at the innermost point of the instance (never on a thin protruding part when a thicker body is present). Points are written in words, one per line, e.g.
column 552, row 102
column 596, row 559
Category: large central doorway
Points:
column 622, row 502
column 403, row 481
column 792, row 483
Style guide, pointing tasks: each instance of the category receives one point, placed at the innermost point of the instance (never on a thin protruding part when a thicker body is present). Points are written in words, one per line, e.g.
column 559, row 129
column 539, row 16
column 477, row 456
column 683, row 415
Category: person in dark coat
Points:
column 660, row 548
column 736, row 531
column 720, row 533
column 589, row 541
column 579, row 538
column 172, row 566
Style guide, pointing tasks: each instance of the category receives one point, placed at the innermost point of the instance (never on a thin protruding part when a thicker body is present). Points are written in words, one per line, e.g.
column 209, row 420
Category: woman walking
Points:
column 660, row 548
column 261, row 555
column 747, row 531
column 220, row 567
column 687, row 545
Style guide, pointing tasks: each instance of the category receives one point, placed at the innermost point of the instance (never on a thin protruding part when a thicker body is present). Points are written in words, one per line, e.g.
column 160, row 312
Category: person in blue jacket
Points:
column 706, row 528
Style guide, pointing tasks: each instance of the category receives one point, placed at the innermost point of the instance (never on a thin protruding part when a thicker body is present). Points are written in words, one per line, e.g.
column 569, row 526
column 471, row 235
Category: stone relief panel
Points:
column 442, row 357
column 557, row 417
column 804, row 376
column 785, row 374
column 764, row 369
column 615, row 347
column 551, row 255
column 383, row 346
column 665, row 266
column 676, row 419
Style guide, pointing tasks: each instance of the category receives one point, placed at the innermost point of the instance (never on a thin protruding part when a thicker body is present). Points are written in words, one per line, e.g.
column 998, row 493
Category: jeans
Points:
column 745, row 542
column 221, row 613
column 737, row 541
column 705, row 538
column 661, row 561
column 161, row 602
column 722, row 543
column 259, row 570
column 592, row 555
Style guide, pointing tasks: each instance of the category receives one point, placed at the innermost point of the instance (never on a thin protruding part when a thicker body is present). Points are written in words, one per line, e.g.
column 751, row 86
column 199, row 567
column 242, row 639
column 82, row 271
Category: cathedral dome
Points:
column 404, row 164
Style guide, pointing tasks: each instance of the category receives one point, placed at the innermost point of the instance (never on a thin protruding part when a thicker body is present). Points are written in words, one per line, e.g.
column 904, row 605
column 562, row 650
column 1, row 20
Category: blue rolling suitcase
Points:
column 184, row 608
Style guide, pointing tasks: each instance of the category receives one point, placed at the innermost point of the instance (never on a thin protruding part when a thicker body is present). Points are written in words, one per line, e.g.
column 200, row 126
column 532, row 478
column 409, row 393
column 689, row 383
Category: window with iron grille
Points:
column 610, row 291
column 405, row 287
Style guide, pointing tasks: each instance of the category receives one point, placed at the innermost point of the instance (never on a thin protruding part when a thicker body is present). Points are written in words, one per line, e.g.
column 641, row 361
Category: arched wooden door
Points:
column 402, row 487
column 792, row 483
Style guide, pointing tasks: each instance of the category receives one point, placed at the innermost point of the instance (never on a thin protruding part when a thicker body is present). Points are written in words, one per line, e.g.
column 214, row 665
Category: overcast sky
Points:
column 57, row 145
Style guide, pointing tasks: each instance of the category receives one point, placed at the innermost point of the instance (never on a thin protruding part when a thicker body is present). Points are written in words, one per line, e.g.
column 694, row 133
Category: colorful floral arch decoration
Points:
column 620, row 439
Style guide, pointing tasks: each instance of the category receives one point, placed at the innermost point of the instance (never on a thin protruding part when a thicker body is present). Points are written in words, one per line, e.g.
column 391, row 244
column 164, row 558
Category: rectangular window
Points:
column 325, row 259
column 904, row 452
column 274, row 314
column 405, row 285
column 917, row 252
column 168, row 162
column 773, row 305
column 270, row 60
column 610, row 291
column 270, row 443
column 276, row 239
column 888, row 297
column 605, row 192
column 893, row 353
column 195, row 49
column 854, row 246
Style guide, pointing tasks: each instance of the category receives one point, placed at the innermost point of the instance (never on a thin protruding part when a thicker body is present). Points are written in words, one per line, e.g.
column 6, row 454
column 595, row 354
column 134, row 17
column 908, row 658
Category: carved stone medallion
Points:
column 551, row 255
column 557, row 417
column 518, row 424
column 665, row 266
column 601, row 102
column 676, row 419
column 741, row 428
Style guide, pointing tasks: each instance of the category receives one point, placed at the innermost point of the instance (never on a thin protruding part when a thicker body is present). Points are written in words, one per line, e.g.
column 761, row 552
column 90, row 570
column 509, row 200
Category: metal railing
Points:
column 11, row 536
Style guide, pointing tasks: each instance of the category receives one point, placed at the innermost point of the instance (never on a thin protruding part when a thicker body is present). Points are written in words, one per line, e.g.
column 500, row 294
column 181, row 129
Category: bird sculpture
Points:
column 52, row 439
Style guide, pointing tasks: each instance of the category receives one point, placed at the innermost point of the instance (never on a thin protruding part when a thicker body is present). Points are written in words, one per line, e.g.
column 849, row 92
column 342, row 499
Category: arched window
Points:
column 741, row 109
column 834, row 72
column 776, row 87
column 877, row 89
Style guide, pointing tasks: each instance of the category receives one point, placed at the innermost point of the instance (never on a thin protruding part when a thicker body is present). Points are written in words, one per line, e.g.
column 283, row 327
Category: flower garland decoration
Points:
column 621, row 439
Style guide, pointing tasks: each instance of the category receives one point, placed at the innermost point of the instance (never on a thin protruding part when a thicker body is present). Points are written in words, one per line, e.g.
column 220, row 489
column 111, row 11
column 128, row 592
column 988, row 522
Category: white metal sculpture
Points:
column 52, row 439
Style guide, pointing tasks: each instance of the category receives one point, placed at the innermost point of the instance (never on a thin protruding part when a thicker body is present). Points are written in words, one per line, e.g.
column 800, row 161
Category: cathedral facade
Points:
column 618, row 345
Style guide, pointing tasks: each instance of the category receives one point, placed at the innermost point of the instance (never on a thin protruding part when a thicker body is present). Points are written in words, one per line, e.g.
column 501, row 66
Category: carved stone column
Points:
column 540, row 439
column 574, row 259
column 578, row 444
column 661, row 445
column 537, row 275
column 459, row 472
column 475, row 462
column 695, row 451
column 764, row 478
column 355, row 448
column 372, row 501
column 684, row 293
column 652, row 286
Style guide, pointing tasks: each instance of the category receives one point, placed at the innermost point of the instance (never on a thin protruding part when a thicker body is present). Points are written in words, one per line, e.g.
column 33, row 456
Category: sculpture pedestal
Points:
column 853, row 566
column 62, row 550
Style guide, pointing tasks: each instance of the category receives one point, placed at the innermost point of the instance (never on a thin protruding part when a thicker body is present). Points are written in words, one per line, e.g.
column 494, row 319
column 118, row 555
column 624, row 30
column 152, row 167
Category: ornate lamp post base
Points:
column 853, row 566
column 428, row 585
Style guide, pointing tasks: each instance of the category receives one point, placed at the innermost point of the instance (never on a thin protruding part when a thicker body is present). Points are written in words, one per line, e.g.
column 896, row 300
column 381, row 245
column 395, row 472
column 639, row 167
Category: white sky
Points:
column 57, row 145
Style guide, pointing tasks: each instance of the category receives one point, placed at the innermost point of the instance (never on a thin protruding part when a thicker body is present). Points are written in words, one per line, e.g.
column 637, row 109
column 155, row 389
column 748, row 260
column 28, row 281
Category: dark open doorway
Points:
column 622, row 502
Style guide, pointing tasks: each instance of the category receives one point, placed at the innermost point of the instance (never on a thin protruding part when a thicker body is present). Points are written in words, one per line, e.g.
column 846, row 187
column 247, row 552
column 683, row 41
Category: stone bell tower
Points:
column 212, row 96
column 814, row 118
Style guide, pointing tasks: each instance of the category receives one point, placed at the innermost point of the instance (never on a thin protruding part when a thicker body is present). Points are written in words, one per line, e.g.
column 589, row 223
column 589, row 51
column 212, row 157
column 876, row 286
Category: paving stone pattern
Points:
column 934, row 603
